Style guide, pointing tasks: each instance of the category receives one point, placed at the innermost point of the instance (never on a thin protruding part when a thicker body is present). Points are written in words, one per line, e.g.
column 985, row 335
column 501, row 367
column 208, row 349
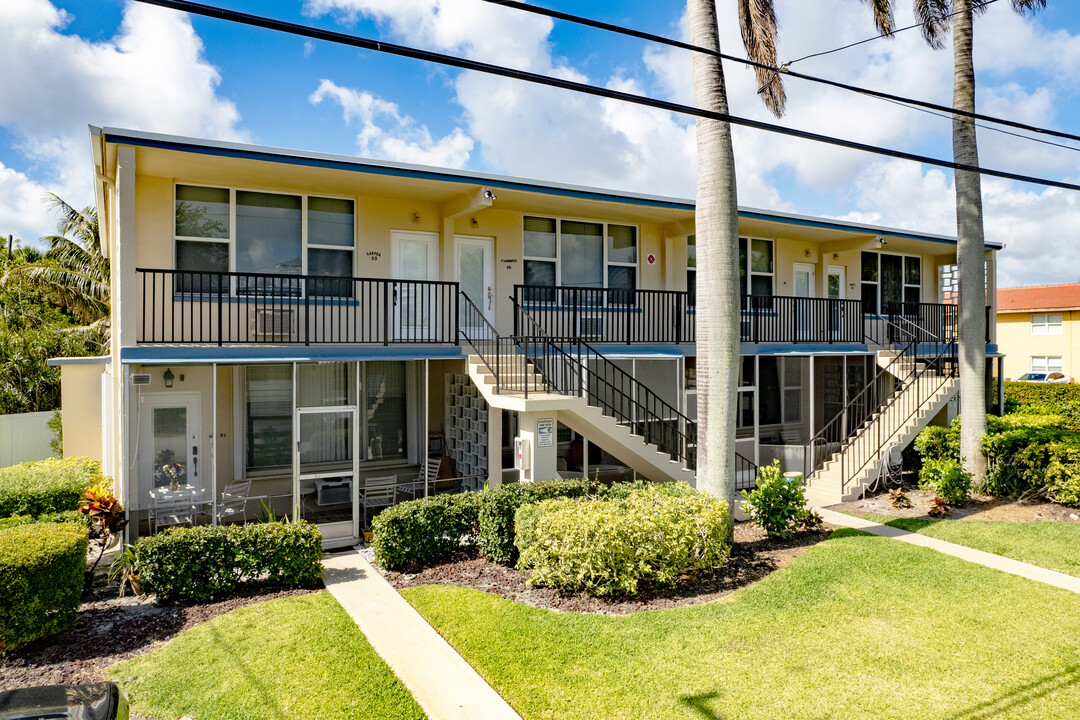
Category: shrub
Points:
column 1064, row 399
column 1005, row 479
column 611, row 546
column 424, row 531
column 946, row 479
column 1063, row 474
column 47, row 486
column 499, row 505
column 42, row 570
column 937, row 442
column 777, row 504
column 73, row 517
column 203, row 563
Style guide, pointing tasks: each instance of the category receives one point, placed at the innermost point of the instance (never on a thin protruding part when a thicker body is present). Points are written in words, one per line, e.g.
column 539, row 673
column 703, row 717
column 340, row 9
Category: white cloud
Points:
column 404, row 140
column 151, row 76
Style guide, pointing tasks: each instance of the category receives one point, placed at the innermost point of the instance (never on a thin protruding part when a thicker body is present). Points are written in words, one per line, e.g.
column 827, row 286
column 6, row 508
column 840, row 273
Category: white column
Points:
column 544, row 461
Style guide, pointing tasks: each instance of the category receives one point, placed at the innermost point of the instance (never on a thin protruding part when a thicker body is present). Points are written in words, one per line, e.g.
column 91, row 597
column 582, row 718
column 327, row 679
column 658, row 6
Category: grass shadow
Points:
column 700, row 705
column 1007, row 703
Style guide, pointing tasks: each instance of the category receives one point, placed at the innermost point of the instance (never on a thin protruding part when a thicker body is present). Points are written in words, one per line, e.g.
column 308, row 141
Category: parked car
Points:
column 1041, row 377
column 101, row 701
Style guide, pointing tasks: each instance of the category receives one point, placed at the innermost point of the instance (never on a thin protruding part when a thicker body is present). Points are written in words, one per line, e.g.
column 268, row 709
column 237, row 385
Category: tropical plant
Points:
column 716, row 220
column 107, row 518
column 936, row 17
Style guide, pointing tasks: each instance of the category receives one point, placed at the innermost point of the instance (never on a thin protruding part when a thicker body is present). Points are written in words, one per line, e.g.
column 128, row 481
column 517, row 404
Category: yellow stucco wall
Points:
column 1019, row 344
column 80, row 397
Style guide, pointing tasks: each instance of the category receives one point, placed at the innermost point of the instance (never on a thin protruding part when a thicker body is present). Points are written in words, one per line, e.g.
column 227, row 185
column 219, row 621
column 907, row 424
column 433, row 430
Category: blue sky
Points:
column 112, row 62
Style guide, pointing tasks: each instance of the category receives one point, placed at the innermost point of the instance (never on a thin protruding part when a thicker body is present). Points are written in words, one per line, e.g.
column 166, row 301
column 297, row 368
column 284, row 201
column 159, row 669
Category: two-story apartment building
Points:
column 1039, row 328
column 320, row 335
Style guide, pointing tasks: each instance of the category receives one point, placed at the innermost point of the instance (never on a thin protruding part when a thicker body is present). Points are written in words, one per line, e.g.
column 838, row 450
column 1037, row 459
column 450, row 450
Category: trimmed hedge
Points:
column 1063, row 474
column 42, row 571
column 203, row 563
column 499, row 505
column 1063, row 400
column 47, row 486
column 609, row 547
column 67, row 516
column 425, row 531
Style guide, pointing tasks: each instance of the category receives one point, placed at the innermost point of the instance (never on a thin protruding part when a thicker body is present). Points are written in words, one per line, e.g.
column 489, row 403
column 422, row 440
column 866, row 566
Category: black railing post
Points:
column 220, row 308
column 386, row 312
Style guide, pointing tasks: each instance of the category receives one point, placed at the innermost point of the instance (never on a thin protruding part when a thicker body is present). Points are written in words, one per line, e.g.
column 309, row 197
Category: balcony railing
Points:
column 187, row 307
column 612, row 316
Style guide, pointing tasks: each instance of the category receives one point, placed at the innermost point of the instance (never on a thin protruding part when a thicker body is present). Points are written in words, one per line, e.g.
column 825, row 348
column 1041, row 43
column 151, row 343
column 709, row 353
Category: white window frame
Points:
column 903, row 275
column 751, row 274
column 605, row 237
column 304, row 244
column 1047, row 324
column 1047, row 364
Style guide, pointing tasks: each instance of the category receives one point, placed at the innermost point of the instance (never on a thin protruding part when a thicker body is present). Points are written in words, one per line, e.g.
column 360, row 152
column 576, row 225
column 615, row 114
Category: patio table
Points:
column 175, row 507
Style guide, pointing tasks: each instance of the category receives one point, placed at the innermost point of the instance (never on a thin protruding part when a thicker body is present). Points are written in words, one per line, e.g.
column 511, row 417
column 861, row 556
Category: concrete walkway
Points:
column 446, row 686
column 979, row 557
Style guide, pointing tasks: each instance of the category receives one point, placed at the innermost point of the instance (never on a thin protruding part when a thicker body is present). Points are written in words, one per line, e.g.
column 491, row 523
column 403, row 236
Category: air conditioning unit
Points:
column 140, row 378
column 274, row 324
column 591, row 327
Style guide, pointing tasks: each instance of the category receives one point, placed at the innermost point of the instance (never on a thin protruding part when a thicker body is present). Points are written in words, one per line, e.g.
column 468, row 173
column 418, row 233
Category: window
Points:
column 888, row 279
column 1046, row 364
column 218, row 230
column 756, row 276
column 780, row 390
column 1046, row 325
column 578, row 254
column 268, row 413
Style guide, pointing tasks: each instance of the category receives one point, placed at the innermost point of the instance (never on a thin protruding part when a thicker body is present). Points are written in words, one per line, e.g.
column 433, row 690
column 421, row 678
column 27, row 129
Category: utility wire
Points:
column 785, row 68
column 975, row 7
column 498, row 70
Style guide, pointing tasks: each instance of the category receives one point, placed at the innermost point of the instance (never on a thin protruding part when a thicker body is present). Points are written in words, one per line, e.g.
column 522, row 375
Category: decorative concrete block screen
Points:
column 466, row 429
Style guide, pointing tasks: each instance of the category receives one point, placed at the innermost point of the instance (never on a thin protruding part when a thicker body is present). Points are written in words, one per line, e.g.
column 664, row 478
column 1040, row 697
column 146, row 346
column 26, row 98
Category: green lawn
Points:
column 301, row 657
column 1052, row 545
column 857, row 627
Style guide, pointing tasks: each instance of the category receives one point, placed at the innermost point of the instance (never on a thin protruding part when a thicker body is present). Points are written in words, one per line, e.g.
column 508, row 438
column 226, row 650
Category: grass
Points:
column 298, row 657
column 1051, row 545
column 857, row 627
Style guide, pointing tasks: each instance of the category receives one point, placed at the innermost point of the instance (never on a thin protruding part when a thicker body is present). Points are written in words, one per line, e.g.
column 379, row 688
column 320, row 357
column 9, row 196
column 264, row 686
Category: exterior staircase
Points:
column 621, row 438
column 911, row 387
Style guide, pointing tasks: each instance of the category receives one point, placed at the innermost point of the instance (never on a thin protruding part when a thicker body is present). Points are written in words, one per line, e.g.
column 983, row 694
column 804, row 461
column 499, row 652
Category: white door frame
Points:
column 147, row 403
column 806, row 321
column 401, row 331
column 487, row 304
column 843, row 279
column 837, row 315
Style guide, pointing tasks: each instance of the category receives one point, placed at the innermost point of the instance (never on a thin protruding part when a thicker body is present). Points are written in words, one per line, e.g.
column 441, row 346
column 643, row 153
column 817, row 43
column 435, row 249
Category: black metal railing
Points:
column 606, row 315
column 613, row 316
column 781, row 319
column 854, row 438
column 921, row 322
column 745, row 473
column 189, row 307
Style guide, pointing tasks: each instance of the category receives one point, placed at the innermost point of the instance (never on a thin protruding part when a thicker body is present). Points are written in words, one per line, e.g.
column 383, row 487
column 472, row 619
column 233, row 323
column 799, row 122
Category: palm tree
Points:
column 74, row 272
column 936, row 16
column 716, row 225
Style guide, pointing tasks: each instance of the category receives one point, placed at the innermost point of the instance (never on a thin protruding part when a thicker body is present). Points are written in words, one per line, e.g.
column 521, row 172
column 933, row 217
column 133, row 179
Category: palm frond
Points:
column 757, row 21
column 936, row 19
column 883, row 16
column 1028, row 7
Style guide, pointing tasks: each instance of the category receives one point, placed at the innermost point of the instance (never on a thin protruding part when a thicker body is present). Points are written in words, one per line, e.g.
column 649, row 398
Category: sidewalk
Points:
column 444, row 685
column 979, row 557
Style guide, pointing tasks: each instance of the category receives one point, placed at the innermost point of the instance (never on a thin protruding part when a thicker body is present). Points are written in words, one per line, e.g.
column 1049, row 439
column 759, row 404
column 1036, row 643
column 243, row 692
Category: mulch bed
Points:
column 753, row 557
column 976, row 509
column 108, row 630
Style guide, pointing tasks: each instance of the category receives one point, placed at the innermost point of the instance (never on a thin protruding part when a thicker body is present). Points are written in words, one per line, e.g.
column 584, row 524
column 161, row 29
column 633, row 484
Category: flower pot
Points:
column 368, row 536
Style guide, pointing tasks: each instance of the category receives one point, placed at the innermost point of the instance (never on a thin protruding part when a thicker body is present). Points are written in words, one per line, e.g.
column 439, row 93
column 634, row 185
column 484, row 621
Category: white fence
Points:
column 25, row 437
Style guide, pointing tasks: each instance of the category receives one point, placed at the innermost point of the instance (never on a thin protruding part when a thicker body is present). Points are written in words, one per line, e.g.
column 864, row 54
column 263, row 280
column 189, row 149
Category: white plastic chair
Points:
column 379, row 492
column 233, row 503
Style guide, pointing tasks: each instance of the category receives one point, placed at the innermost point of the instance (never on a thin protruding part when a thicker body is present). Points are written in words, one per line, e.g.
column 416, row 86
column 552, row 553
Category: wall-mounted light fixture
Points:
column 836, row 256
column 806, row 252
column 416, row 217
column 168, row 377
column 475, row 222
column 489, row 194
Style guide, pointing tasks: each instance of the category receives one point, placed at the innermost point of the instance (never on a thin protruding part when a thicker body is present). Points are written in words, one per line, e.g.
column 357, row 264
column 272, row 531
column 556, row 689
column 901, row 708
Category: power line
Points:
column 498, row 70
column 975, row 7
column 785, row 69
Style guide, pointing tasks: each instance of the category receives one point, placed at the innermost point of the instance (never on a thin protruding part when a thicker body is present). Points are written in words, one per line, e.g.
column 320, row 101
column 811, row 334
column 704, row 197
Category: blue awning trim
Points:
column 201, row 355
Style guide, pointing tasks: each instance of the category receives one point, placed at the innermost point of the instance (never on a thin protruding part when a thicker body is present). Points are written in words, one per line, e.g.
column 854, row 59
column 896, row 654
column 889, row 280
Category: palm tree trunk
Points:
column 716, row 224
column 970, row 252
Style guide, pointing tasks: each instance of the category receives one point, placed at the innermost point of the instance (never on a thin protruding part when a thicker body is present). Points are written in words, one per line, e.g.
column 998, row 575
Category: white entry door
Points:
column 414, row 261
column 168, row 442
column 474, row 270
column 803, row 284
column 835, row 289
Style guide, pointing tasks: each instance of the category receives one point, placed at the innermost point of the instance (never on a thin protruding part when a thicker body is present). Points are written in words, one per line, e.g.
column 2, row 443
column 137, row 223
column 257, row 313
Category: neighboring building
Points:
column 325, row 335
column 1039, row 329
